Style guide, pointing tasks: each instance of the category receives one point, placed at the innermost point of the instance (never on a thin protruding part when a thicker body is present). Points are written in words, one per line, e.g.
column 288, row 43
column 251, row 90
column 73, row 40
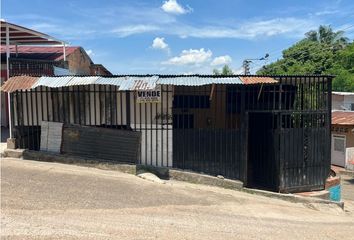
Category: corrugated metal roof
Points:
column 18, row 83
column 124, row 83
column 52, row 82
column 343, row 118
column 257, row 80
column 136, row 82
column 197, row 80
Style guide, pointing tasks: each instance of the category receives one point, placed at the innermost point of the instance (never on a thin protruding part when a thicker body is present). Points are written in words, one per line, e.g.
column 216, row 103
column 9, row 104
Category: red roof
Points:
column 343, row 118
column 42, row 53
column 256, row 80
column 19, row 83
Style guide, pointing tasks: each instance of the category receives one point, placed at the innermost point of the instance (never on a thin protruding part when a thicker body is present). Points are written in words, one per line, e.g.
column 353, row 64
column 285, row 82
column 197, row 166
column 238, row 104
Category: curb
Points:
column 161, row 172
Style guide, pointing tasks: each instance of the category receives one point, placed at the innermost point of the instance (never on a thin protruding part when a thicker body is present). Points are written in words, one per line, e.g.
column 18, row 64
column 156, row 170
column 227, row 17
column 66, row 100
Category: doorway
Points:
column 338, row 150
column 261, row 167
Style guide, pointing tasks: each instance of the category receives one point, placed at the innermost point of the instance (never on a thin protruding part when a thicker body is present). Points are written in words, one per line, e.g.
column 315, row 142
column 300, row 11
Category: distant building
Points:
column 343, row 101
column 99, row 69
column 32, row 53
column 343, row 138
column 40, row 60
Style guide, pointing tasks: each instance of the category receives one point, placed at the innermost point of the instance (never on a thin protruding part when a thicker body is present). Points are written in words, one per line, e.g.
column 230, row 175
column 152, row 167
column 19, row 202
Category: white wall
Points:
column 156, row 140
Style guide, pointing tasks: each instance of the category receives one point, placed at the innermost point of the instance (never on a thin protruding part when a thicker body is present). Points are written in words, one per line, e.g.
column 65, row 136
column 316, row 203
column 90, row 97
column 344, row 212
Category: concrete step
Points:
column 13, row 153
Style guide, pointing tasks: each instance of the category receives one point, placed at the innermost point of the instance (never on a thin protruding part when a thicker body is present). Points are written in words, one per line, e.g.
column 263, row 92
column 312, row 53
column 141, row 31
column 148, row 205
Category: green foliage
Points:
column 322, row 52
column 226, row 70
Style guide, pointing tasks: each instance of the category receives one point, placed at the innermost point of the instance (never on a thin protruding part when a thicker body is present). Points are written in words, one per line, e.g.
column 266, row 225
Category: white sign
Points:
column 149, row 95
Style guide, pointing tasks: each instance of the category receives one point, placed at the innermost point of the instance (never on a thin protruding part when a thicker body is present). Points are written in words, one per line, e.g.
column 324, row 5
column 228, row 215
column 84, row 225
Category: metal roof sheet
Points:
column 124, row 83
column 140, row 82
column 18, row 83
column 343, row 117
column 197, row 80
column 257, row 80
column 52, row 82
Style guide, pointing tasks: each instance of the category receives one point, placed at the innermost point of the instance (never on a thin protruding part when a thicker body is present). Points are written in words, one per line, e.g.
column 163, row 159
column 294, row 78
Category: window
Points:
column 339, row 144
column 352, row 106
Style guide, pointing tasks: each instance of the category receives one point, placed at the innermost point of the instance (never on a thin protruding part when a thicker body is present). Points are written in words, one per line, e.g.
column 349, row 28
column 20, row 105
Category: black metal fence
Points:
column 271, row 136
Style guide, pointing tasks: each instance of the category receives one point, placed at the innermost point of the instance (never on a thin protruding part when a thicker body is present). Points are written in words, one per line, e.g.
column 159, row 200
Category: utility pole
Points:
column 246, row 67
column 246, row 63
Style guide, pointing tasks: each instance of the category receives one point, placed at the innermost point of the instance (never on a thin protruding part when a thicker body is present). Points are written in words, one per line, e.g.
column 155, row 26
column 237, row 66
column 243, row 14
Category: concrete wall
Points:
column 342, row 102
column 348, row 133
column 79, row 62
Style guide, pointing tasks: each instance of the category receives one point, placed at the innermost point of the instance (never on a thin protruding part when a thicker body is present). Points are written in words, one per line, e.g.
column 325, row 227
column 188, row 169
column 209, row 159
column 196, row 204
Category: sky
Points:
column 179, row 36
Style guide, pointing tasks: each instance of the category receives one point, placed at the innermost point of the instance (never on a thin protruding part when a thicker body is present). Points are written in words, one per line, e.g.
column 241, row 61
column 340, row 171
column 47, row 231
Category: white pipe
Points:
column 8, row 75
column 64, row 51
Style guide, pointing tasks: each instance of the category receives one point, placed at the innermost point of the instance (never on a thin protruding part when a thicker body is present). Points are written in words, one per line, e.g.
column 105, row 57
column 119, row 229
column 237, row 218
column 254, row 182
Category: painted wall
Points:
column 342, row 102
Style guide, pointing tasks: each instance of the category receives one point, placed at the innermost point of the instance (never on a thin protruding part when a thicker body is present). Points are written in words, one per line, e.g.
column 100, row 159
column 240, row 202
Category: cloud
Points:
column 326, row 12
column 159, row 43
column 222, row 60
column 129, row 30
column 190, row 57
column 172, row 6
column 90, row 52
column 250, row 30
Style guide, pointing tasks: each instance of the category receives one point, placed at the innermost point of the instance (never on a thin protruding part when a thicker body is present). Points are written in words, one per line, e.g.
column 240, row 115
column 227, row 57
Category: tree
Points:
column 325, row 35
column 226, row 70
column 320, row 52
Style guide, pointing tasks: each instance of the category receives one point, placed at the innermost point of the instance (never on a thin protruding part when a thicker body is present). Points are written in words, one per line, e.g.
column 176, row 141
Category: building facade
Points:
column 342, row 149
column 343, row 101
column 269, row 133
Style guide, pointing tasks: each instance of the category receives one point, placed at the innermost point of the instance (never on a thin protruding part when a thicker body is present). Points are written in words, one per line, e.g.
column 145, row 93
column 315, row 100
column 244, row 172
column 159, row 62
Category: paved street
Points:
column 347, row 187
column 55, row 201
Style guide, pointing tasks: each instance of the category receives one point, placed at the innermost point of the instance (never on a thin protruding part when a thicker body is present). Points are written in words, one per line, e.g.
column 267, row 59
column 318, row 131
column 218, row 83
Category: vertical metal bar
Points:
column 32, row 121
column 140, row 129
column 37, row 118
column 8, row 75
column 12, row 118
column 127, row 99
column 168, row 124
column 58, row 104
column 121, row 107
column 94, row 102
column 18, row 114
column 89, row 104
column 116, row 104
column 151, row 131
column 47, row 96
column 78, row 103
column 63, row 104
column 162, row 96
column 145, row 129
column 156, row 135
column 27, row 120
column 22, row 119
column 52, row 100
column 111, row 103
column 84, row 102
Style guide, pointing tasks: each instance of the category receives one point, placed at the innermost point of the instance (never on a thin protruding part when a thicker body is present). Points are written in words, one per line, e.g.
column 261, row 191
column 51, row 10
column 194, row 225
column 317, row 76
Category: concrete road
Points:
column 55, row 201
column 347, row 187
